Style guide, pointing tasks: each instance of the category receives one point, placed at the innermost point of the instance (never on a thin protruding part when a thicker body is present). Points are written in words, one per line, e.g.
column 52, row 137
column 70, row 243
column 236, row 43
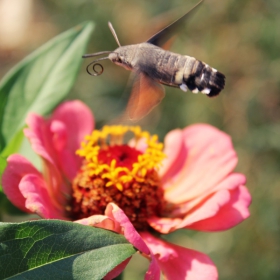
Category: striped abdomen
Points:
column 179, row 70
column 204, row 78
column 188, row 72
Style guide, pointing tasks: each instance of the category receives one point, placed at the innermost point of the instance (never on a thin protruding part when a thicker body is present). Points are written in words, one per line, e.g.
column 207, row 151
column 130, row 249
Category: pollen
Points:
column 120, row 165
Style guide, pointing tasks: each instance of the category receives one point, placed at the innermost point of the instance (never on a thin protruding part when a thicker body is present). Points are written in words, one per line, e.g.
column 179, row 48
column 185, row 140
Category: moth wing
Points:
column 145, row 95
column 164, row 35
column 167, row 45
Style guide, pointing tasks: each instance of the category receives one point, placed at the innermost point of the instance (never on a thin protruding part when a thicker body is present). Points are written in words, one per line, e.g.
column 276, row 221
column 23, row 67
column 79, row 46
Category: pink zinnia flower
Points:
column 141, row 189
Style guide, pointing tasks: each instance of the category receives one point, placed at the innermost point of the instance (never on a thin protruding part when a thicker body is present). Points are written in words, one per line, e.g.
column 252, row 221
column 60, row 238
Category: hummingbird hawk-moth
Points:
column 153, row 67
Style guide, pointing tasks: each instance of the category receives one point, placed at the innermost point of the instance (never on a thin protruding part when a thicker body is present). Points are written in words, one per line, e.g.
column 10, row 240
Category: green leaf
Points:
column 52, row 249
column 5, row 205
column 40, row 81
column 13, row 145
column 3, row 164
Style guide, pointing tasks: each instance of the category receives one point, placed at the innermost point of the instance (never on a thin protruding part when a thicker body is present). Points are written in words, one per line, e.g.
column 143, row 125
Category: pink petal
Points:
column 105, row 222
column 78, row 121
column 116, row 220
column 165, row 225
column 100, row 221
column 34, row 190
column 57, row 139
column 153, row 273
column 134, row 238
column 230, row 202
column 230, row 182
column 17, row 168
column 213, row 204
column 67, row 161
column 176, row 153
column 113, row 211
column 229, row 215
column 178, row 263
column 208, row 157
column 40, row 137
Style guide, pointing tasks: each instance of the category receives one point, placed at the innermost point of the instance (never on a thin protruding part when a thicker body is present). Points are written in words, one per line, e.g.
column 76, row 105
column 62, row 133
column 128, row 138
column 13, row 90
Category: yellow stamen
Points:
column 113, row 135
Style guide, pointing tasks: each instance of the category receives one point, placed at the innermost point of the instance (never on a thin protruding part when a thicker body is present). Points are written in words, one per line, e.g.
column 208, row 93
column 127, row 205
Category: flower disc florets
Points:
column 120, row 173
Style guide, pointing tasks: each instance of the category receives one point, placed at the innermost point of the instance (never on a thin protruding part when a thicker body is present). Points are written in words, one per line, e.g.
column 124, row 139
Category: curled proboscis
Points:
column 93, row 71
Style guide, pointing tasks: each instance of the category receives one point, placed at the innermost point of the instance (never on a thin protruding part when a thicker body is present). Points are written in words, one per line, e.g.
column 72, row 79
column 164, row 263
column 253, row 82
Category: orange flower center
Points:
column 119, row 173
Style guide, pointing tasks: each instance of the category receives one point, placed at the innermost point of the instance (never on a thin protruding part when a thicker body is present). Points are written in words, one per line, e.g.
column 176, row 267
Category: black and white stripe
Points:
column 205, row 79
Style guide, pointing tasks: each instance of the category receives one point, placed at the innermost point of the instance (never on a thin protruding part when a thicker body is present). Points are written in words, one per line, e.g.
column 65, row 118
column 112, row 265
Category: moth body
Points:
column 169, row 68
column 152, row 67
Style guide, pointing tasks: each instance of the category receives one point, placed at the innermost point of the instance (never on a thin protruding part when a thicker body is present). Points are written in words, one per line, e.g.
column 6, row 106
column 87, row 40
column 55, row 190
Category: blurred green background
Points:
column 239, row 38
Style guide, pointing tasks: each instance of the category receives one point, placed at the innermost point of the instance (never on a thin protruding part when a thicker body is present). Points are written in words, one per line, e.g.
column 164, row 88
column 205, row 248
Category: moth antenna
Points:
column 114, row 33
column 93, row 71
column 95, row 54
